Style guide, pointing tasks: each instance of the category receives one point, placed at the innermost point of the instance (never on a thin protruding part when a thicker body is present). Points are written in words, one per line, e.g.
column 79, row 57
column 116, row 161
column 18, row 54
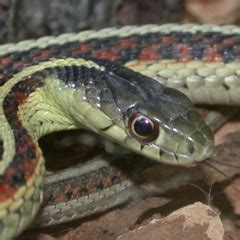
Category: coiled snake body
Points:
column 79, row 81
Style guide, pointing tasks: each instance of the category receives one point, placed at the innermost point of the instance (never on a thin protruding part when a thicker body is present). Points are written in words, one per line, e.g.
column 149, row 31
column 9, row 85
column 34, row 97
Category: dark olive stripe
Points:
column 182, row 46
column 25, row 160
column 82, row 185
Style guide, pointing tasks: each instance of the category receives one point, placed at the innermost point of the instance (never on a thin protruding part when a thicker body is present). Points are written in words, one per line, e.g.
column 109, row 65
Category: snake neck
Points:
column 41, row 112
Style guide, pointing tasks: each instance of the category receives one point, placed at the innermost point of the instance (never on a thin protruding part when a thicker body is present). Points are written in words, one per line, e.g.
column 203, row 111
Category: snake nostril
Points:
column 191, row 148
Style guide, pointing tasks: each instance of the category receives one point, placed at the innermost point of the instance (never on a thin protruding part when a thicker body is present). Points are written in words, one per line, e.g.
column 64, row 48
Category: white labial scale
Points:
column 132, row 143
column 116, row 131
column 152, row 151
column 168, row 157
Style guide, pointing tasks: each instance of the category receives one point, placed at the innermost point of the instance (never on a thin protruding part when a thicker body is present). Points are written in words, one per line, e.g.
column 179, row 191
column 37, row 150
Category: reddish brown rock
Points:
column 196, row 221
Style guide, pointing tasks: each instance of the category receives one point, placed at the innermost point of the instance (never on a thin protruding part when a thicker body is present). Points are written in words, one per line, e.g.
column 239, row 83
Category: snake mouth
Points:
column 186, row 160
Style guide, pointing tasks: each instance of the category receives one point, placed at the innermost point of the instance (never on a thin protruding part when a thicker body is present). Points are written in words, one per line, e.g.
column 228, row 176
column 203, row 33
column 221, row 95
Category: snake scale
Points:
column 117, row 82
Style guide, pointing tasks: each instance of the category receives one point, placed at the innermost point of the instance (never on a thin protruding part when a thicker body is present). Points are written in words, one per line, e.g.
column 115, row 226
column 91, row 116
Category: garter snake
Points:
column 105, row 81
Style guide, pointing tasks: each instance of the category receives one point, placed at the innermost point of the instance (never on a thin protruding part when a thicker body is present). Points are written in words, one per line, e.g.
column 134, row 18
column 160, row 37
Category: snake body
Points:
column 80, row 81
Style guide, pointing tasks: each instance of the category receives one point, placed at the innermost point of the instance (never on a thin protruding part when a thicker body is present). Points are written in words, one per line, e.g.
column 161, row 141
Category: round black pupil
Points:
column 143, row 127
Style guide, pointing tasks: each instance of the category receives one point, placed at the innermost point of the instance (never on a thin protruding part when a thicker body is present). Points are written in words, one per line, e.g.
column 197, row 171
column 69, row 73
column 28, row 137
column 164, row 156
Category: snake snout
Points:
column 201, row 144
column 194, row 138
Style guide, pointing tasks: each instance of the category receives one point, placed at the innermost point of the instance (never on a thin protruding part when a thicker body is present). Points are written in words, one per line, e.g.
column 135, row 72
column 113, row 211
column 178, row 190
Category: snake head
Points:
column 170, row 129
column 144, row 116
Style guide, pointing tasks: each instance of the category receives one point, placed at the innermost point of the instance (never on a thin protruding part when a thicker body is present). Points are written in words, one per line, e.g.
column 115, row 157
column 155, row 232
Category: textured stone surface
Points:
column 195, row 221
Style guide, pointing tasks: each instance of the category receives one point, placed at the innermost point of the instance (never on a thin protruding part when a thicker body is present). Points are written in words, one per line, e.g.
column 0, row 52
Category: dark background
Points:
column 24, row 19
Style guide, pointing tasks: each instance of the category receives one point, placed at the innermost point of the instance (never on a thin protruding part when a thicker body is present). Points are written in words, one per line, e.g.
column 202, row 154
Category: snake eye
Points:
column 143, row 128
